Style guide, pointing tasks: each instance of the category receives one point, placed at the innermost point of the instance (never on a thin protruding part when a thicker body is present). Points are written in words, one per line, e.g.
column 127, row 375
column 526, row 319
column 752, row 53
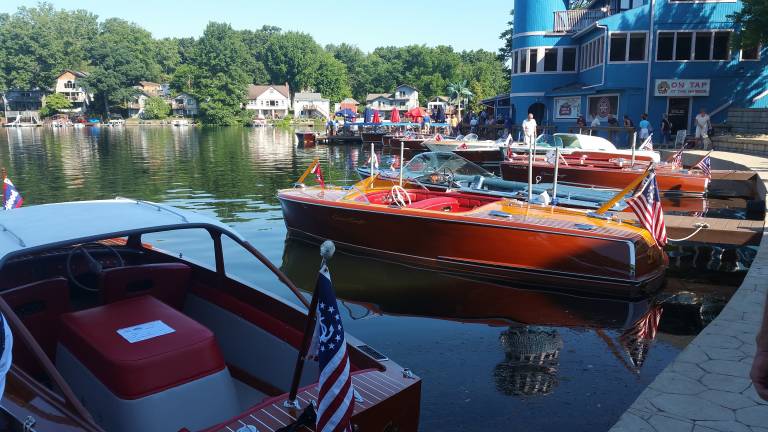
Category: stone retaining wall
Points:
column 748, row 120
column 742, row 144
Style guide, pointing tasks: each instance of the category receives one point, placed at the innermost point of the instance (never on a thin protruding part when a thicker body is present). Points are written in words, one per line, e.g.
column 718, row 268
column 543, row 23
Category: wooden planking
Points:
column 373, row 386
column 735, row 232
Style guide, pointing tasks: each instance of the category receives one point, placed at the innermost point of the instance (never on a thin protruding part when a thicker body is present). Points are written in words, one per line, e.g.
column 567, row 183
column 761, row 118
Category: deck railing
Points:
column 575, row 20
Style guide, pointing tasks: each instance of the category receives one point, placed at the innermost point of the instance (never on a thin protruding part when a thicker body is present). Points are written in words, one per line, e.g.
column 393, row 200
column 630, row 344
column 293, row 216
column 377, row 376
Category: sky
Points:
column 465, row 25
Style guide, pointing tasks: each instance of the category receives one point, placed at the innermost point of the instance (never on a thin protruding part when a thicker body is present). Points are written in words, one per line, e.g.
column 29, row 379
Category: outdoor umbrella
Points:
column 347, row 113
column 395, row 116
column 415, row 114
column 376, row 118
column 367, row 115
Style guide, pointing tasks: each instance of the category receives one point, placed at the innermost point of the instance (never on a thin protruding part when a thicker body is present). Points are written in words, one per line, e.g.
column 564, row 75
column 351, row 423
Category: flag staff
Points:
column 326, row 251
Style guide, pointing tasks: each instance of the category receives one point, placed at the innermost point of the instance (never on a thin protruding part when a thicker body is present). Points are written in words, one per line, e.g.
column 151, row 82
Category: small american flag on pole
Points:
column 677, row 159
column 336, row 394
column 11, row 197
column 705, row 165
column 647, row 144
column 646, row 204
column 318, row 172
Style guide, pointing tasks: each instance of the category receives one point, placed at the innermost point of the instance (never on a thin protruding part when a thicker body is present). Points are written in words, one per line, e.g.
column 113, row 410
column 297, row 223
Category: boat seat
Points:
column 39, row 305
column 437, row 203
column 139, row 364
column 165, row 281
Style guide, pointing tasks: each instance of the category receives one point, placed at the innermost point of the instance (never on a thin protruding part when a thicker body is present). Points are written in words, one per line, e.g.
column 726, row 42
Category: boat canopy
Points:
column 575, row 141
column 432, row 162
column 43, row 226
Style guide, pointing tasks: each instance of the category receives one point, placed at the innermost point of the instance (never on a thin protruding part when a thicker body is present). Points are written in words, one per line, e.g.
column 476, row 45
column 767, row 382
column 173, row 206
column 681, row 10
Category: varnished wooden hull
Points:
column 408, row 143
column 452, row 243
column 615, row 178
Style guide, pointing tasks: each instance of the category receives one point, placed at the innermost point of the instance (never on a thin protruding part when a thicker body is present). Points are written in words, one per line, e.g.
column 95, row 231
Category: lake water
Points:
column 491, row 357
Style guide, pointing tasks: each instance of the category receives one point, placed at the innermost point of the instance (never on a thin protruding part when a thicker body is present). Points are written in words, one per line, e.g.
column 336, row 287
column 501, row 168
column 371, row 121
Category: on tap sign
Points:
column 682, row 87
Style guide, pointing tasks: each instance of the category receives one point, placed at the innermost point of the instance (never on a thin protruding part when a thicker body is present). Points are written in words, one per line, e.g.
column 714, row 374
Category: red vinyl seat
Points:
column 134, row 370
column 437, row 203
column 166, row 281
column 39, row 306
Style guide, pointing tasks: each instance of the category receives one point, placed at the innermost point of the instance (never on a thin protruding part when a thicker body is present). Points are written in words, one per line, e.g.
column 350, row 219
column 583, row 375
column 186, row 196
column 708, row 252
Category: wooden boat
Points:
column 614, row 174
column 306, row 139
column 409, row 142
column 577, row 146
column 215, row 353
column 479, row 235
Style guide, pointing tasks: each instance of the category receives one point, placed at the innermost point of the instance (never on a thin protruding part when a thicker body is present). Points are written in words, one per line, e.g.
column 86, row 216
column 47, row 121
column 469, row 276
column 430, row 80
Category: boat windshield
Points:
column 558, row 140
column 436, row 162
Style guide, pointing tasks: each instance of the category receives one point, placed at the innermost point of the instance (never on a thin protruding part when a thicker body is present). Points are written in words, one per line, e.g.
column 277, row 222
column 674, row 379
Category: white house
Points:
column 270, row 101
column 308, row 105
column 184, row 105
column 67, row 84
column 437, row 102
column 403, row 98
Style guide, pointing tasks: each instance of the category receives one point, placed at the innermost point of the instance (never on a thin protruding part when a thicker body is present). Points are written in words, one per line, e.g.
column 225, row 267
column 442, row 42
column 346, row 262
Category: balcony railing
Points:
column 575, row 20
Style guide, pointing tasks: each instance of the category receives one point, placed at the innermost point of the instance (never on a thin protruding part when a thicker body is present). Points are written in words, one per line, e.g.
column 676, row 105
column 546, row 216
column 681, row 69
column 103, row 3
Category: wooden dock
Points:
column 733, row 232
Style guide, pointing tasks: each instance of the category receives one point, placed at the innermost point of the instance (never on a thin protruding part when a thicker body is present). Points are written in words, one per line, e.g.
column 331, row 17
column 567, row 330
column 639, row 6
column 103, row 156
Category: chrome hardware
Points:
column 29, row 424
column 408, row 374
column 585, row 227
column 292, row 404
column 248, row 428
column 356, row 395
column 538, row 179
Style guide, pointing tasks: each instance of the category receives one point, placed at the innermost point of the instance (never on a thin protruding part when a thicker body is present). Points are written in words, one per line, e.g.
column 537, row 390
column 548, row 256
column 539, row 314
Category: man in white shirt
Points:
column 529, row 130
column 595, row 121
column 703, row 125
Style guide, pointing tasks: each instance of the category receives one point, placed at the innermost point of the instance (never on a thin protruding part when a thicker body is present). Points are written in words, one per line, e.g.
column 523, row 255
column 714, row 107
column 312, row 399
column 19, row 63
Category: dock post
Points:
column 554, row 180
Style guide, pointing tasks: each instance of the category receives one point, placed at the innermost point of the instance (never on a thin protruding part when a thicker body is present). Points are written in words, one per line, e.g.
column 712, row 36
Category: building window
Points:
column 636, row 47
column 752, row 53
column 666, row 48
column 697, row 46
column 533, row 59
column 683, row 45
column 703, row 46
column 592, row 53
column 721, row 46
column 550, row 60
column 569, row 59
column 618, row 47
column 69, row 84
column 514, row 62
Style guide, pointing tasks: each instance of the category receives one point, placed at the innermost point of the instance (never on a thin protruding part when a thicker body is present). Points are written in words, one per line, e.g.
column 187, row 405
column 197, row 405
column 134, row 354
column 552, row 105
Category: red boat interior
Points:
column 453, row 202
column 146, row 339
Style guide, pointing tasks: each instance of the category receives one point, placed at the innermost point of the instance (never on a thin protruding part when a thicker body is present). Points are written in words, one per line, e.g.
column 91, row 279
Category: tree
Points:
column 294, row 58
column 505, row 52
column 156, row 108
column 124, row 55
column 331, row 79
column 460, row 94
column 753, row 21
column 220, row 65
column 54, row 104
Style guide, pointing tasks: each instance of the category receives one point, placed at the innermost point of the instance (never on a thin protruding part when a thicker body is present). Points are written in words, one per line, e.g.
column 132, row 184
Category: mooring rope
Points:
column 699, row 227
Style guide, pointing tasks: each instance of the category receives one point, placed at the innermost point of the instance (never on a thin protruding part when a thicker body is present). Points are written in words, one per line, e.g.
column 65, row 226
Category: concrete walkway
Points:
column 707, row 388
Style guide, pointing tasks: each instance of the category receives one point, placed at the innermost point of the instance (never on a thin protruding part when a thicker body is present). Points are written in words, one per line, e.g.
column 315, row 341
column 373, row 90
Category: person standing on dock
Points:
column 703, row 125
column 454, row 125
column 529, row 130
column 666, row 130
column 645, row 127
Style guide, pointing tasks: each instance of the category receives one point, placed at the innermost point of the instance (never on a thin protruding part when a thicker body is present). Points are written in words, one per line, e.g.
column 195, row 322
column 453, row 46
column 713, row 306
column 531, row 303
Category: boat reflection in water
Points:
column 530, row 339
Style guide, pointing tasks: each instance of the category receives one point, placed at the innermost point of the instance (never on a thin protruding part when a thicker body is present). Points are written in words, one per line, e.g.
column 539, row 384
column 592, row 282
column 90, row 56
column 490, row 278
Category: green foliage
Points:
column 505, row 52
column 156, row 108
column 124, row 55
column 54, row 103
column 753, row 20
column 220, row 65
column 37, row 43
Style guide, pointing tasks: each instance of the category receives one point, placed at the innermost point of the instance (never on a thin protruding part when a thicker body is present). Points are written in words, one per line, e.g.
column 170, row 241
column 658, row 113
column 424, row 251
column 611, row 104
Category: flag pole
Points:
column 554, row 180
column 326, row 251
column 700, row 160
column 607, row 206
column 307, row 171
column 634, row 144
column 373, row 150
column 402, row 162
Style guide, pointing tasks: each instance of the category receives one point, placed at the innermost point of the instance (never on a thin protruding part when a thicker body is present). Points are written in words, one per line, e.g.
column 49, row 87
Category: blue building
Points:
column 627, row 57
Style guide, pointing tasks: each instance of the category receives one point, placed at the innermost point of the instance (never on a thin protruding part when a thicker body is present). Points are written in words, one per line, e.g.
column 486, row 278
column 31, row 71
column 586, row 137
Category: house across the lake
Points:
column 348, row 103
column 269, row 101
column 311, row 105
column 153, row 89
column 67, row 83
column 627, row 57
column 184, row 105
column 22, row 100
column 403, row 98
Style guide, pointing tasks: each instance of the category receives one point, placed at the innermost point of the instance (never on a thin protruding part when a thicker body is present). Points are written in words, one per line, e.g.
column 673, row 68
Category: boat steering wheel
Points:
column 94, row 266
column 399, row 195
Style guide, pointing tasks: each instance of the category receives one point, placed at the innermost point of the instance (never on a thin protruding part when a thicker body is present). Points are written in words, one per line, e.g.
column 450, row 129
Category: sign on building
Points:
column 682, row 87
column 567, row 107
column 601, row 106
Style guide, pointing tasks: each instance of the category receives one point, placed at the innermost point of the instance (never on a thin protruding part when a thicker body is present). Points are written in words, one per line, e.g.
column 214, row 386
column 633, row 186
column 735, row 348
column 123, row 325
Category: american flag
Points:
column 438, row 138
column 637, row 339
column 677, row 159
column 336, row 394
column 318, row 172
column 705, row 165
column 646, row 204
column 11, row 197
